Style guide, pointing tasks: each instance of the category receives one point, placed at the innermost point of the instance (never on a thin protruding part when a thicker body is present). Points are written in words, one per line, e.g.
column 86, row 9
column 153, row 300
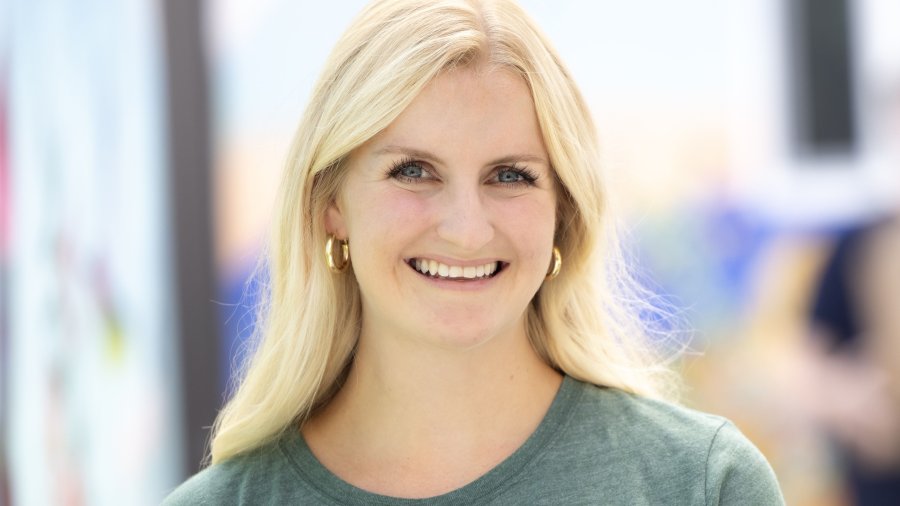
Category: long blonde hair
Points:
column 583, row 322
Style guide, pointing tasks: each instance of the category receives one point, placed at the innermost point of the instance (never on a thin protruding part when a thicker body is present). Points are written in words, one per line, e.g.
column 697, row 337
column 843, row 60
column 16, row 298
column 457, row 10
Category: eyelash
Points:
column 528, row 176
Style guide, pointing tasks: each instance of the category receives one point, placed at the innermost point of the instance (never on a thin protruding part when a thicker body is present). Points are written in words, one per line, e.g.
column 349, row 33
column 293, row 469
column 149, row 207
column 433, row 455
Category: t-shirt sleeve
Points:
column 737, row 473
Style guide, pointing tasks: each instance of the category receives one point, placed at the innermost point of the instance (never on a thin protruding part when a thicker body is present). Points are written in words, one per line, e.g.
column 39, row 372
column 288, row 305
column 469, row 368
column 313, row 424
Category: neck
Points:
column 409, row 404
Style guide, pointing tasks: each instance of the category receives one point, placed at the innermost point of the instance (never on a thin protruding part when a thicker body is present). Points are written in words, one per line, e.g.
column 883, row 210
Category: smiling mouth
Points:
column 438, row 270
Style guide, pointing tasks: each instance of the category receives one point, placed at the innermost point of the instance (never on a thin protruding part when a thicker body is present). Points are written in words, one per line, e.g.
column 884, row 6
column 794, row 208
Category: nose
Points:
column 464, row 220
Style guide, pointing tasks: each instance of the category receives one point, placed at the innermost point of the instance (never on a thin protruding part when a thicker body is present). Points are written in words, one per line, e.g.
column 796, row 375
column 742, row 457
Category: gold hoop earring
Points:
column 329, row 255
column 556, row 266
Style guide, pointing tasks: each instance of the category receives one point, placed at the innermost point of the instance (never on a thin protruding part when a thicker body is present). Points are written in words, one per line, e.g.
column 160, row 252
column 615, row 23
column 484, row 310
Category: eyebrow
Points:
column 425, row 155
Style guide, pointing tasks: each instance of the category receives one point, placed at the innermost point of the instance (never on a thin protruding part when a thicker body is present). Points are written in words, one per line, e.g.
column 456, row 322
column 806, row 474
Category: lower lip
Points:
column 458, row 284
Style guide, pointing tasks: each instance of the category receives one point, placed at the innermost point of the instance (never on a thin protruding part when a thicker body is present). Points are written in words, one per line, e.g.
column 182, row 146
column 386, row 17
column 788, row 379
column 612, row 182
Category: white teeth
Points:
column 435, row 268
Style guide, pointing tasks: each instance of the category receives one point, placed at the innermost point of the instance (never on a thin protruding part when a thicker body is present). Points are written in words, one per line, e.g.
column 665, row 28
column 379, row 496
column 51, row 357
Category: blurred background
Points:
column 754, row 146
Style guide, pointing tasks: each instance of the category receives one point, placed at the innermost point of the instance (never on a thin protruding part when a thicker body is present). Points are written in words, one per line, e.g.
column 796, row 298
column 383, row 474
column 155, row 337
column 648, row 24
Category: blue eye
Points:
column 509, row 176
column 411, row 171
column 514, row 176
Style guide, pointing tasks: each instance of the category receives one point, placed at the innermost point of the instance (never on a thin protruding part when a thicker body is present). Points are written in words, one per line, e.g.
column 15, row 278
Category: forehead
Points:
column 469, row 113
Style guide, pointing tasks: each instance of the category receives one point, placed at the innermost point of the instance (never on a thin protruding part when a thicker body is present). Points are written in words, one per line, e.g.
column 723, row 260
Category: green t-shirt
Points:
column 595, row 446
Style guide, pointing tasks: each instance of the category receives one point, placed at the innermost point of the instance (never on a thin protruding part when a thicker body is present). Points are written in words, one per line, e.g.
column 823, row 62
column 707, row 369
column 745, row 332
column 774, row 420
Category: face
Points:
column 450, row 213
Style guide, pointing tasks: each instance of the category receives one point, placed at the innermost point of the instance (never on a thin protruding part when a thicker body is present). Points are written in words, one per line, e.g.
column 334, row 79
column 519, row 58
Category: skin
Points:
column 445, row 384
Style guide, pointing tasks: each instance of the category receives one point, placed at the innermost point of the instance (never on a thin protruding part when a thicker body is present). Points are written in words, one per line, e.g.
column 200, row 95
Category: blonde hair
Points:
column 583, row 322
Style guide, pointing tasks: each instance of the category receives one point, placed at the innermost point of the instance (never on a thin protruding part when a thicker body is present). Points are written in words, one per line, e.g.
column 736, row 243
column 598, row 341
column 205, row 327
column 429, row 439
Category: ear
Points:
column 334, row 221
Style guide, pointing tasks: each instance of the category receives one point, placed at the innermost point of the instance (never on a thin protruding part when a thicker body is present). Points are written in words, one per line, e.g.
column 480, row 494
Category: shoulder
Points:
column 668, row 449
column 624, row 418
column 209, row 486
column 262, row 475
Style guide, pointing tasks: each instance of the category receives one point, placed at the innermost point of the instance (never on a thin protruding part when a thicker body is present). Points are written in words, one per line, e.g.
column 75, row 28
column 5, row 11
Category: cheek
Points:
column 379, row 216
column 530, row 220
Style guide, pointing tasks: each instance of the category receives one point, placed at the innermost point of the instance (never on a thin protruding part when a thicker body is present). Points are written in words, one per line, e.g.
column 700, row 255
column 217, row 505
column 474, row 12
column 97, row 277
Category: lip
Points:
column 455, row 261
column 457, row 283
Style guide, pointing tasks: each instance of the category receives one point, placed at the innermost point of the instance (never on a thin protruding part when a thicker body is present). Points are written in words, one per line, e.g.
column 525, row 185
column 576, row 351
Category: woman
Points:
column 446, row 321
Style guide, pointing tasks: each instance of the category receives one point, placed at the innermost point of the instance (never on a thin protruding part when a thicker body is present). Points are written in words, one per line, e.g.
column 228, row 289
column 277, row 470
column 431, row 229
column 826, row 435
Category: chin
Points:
column 468, row 335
